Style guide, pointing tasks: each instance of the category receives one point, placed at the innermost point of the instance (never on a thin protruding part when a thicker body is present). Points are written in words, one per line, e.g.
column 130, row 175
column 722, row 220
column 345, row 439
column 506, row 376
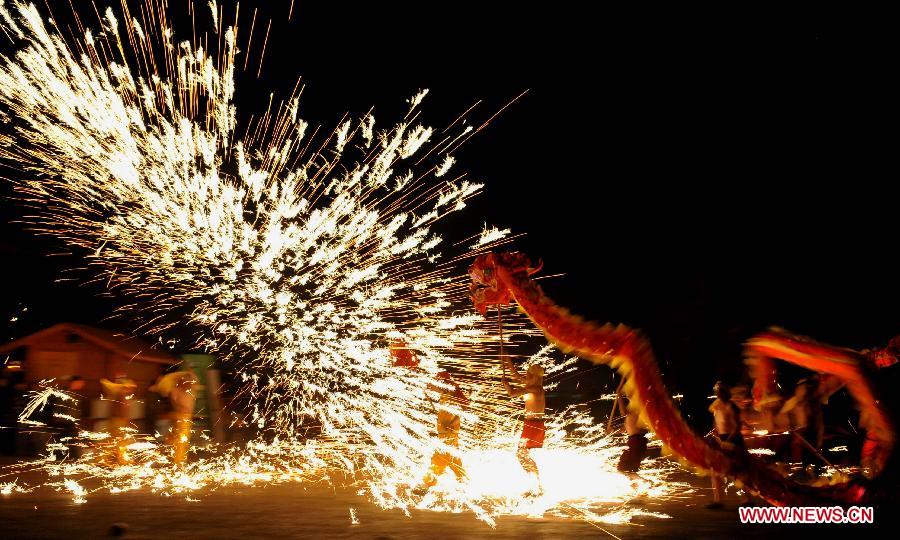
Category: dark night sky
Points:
column 700, row 175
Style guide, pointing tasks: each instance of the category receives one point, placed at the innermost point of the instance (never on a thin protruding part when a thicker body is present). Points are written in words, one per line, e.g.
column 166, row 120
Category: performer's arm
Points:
column 513, row 391
column 789, row 405
column 512, row 368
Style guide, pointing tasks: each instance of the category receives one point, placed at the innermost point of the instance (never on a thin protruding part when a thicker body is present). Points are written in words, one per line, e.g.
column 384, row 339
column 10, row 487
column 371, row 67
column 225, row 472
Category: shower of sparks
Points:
column 7, row 488
column 491, row 234
column 41, row 400
column 299, row 260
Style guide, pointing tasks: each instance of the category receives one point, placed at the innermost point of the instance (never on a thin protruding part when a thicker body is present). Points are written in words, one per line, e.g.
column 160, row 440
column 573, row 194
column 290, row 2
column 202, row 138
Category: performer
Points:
column 74, row 407
column 726, row 434
column 634, row 454
column 805, row 412
column 533, row 431
column 179, row 387
column 447, row 422
column 448, row 427
column 120, row 391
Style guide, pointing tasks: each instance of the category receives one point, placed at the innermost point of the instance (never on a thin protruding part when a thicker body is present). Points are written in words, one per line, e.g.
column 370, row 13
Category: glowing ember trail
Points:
column 298, row 259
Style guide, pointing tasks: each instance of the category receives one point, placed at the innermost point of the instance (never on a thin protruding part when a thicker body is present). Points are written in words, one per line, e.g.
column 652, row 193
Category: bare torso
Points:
column 531, row 389
column 535, row 402
column 726, row 420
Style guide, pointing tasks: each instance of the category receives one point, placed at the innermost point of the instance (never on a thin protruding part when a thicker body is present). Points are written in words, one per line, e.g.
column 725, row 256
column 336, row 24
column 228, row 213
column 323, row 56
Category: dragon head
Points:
column 486, row 289
column 886, row 357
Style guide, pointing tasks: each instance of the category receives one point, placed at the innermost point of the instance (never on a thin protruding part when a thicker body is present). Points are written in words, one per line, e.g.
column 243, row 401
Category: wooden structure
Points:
column 67, row 350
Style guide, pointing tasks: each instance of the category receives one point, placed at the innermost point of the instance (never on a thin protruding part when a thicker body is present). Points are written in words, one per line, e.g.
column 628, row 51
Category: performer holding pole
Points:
column 447, row 422
column 532, row 391
column 119, row 391
column 634, row 454
column 448, row 427
column 726, row 434
column 179, row 387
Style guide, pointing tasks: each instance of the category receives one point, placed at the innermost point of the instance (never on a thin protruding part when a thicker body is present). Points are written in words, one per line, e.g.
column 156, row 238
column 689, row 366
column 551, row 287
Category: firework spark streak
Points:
column 299, row 259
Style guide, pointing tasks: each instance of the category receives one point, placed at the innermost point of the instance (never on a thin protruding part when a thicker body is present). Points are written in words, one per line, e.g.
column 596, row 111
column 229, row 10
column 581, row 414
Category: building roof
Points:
column 129, row 346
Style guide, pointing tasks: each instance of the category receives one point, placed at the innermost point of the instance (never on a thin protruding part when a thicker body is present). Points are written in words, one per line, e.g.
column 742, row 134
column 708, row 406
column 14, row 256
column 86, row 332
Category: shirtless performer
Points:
column 726, row 434
column 533, row 431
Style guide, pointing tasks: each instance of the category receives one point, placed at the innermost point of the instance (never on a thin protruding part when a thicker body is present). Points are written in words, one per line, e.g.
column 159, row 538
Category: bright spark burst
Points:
column 490, row 235
column 7, row 488
column 300, row 259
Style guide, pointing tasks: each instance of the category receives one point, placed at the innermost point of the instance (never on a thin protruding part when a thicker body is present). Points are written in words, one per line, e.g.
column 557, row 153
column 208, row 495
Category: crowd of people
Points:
column 789, row 425
column 788, row 429
column 171, row 412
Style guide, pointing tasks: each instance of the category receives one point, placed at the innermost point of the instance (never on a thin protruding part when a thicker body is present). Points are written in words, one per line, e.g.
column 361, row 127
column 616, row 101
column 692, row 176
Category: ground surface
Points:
column 290, row 511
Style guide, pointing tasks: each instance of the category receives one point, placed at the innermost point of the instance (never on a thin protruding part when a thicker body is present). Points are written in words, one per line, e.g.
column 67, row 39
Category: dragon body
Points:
column 503, row 278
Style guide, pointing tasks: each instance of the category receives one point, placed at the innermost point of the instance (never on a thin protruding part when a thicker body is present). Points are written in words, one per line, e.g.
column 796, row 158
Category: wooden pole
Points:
column 500, row 329
column 612, row 413
column 812, row 448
